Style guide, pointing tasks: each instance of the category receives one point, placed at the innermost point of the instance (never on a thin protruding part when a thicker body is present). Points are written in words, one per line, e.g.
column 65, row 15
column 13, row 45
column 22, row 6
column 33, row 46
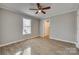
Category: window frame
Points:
column 30, row 26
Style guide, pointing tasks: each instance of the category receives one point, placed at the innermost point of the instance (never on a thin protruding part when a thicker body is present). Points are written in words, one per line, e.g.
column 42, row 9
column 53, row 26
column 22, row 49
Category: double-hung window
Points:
column 26, row 26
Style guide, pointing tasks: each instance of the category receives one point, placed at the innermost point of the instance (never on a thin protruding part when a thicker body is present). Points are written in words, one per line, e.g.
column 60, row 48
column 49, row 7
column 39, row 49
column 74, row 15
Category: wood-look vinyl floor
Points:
column 40, row 46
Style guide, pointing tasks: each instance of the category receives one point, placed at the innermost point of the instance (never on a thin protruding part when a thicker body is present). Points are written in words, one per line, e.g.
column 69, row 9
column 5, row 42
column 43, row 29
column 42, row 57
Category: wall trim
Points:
column 2, row 45
column 42, row 35
column 77, row 45
column 63, row 40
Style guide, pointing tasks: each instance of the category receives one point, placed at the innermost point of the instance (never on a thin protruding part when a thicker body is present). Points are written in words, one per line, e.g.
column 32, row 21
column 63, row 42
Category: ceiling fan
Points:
column 40, row 9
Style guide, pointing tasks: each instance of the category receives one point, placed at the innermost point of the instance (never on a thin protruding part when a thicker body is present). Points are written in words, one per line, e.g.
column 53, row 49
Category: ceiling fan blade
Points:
column 46, row 8
column 36, row 12
column 33, row 9
column 43, row 12
column 38, row 5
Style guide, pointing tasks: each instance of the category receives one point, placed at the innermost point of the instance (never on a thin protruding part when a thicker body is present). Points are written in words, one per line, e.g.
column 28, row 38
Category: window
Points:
column 26, row 26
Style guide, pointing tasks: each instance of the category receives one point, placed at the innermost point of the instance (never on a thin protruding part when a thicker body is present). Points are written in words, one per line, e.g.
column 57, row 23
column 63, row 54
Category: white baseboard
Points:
column 63, row 40
column 77, row 45
column 43, row 35
column 16, row 41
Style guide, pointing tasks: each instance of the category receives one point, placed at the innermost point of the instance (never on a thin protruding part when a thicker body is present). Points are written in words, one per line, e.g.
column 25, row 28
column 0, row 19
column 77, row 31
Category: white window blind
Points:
column 26, row 26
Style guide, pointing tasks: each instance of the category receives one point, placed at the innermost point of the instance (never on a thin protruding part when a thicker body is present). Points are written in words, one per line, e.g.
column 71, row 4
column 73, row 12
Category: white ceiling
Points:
column 56, row 8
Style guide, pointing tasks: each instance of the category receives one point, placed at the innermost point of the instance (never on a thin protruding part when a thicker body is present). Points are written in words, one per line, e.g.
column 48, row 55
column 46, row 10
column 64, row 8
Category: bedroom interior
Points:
column 39, row 28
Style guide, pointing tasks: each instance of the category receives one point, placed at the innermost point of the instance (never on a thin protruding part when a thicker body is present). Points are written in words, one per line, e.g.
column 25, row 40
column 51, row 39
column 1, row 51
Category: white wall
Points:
column 42, row 27
column 0, row 28
column 11, row 27
column 63, row 27
column 77, row 44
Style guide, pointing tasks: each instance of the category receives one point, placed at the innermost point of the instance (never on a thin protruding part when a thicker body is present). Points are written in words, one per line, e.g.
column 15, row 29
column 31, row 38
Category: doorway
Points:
column 46, row 29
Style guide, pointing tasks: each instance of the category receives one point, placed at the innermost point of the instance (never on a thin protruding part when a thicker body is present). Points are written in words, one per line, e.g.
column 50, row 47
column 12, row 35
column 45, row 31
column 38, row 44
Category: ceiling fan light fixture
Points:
column 39, row 11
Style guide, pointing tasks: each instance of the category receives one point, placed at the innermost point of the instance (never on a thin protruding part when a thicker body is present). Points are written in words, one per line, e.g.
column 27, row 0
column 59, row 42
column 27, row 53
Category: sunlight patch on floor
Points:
column 27, row 51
